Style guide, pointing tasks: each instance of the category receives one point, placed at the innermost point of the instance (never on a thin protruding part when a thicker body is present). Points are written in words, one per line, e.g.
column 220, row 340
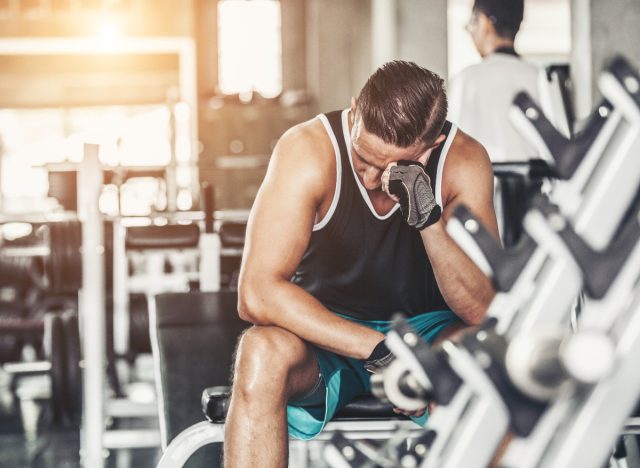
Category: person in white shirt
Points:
column 480, row 96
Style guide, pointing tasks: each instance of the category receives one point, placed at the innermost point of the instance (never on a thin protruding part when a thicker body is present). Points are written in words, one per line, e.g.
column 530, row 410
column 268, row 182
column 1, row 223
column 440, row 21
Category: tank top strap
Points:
column 335, row 121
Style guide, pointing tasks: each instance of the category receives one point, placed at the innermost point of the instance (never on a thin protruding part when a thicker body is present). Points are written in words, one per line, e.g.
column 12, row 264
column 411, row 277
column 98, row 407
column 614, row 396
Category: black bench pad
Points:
column 215, row 402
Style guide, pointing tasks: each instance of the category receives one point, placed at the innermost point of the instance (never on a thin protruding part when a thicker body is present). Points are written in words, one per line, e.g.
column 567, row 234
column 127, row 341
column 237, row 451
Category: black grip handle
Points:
column 444, row 380
column 532, row 169
column 627, row 75
column 599, row 268
column 505, row 264
column 567, row 154
column 215, row 403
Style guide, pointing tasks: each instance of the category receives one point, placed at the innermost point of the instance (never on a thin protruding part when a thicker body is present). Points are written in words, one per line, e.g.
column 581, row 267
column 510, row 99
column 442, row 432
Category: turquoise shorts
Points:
column 342, row 378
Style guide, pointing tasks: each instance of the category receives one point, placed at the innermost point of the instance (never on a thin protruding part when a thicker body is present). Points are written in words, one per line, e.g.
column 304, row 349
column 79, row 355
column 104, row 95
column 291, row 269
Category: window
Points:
column 249, row 47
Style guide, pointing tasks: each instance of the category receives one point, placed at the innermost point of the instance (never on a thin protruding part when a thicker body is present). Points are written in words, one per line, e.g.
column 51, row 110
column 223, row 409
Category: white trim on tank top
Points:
column 336, row 195
column 443, row 157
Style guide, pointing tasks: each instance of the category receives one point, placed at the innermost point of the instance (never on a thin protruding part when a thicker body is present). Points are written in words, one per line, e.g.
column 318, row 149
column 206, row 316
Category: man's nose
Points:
column 371, row 177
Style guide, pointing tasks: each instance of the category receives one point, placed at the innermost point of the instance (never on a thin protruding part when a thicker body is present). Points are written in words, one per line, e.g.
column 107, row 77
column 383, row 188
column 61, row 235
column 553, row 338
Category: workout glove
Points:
column 410, row 183
column 380, row 358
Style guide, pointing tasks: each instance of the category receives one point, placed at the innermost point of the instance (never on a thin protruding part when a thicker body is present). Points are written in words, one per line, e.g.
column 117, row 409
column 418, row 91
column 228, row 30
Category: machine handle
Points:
column 599, row 267
column 506, row 265
column 567, row 154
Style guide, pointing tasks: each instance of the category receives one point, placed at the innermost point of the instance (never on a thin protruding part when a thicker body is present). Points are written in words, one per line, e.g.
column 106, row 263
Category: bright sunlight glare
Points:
column 250, row 45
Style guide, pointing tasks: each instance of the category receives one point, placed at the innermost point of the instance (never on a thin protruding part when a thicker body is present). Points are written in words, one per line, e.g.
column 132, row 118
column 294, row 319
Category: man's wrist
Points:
column 379, row 358
column 433, row 217
column 432, row 229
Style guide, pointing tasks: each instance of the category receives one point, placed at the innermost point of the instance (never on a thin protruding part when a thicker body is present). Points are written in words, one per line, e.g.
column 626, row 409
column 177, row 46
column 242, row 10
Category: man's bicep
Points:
column 473, row 187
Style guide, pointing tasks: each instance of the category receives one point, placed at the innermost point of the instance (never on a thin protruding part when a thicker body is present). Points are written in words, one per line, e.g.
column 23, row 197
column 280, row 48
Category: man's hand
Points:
column 408, row 183
column 380, row 359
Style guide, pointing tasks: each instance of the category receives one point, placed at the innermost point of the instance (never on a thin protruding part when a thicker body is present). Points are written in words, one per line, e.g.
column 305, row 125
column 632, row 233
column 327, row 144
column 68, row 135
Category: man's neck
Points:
column 497, row 43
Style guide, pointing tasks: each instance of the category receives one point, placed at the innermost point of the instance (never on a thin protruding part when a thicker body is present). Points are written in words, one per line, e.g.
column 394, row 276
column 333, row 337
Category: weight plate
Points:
column 55, row 353
column 72, row 252
column 73, row 357
column 79, row 254
column 139, row 341
column 53, row 255
column 65, row 234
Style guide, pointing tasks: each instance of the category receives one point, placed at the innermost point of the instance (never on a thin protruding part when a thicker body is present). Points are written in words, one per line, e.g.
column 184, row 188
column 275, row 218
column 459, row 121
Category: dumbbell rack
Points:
column 61, row 345
column 624, row 136
column 609, row 145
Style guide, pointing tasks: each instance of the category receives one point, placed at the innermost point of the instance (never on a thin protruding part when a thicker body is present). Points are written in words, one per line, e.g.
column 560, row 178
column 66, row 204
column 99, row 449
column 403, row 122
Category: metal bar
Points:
column 131, row 438
column 27, row 368
column 189, row 94
column 120, row 291
column 92, row 308
column 14, row 325
column 124, row 408
column 35, row 251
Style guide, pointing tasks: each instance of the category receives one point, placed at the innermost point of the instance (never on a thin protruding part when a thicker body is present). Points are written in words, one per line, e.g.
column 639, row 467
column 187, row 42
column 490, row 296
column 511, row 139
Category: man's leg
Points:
column 453, row 332
column 272, row 365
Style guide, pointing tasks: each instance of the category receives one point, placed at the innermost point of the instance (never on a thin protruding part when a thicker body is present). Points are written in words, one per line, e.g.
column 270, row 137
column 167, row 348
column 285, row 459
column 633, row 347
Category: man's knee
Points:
column 265, row 358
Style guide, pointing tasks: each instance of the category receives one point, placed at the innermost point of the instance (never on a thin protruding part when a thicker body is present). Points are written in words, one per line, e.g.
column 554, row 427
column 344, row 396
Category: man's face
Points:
column 371, row 155
column 473, row 28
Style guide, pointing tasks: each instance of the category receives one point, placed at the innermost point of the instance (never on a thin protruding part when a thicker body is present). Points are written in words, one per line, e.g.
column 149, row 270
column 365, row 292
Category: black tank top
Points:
column 359, row 263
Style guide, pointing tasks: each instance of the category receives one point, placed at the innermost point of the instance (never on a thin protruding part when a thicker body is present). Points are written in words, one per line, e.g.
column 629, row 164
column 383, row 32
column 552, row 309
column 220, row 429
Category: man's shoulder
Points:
column 466, row 153
column 496, row 64
column 467, row 162
column 307, row 140
column 306, row 151
column 509, row 62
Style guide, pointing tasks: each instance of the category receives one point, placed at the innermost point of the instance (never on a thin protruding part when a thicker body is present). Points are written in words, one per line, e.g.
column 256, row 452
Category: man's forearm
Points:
column 465, row 288
column 283, row 304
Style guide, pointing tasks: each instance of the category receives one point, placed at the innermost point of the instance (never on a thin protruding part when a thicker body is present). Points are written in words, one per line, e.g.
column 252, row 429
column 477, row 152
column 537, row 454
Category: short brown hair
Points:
column 403, row 103
column 506, row 15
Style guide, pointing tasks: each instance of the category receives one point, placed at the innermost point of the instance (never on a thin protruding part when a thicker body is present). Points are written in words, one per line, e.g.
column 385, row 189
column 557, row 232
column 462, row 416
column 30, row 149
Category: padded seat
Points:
column 171, row 236
column 194, row 336
column 215, row 402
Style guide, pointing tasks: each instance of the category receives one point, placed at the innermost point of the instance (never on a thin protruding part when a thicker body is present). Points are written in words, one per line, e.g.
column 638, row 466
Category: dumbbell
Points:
column 61, row 343
column 58, row 246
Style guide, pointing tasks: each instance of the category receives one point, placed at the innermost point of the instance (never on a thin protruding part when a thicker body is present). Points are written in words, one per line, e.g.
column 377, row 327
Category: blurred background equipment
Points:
column 134, row 135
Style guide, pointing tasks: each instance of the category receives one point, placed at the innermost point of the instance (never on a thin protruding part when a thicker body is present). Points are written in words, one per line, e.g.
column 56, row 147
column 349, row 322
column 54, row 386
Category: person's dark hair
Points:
column 506, row 15
column 403, row 103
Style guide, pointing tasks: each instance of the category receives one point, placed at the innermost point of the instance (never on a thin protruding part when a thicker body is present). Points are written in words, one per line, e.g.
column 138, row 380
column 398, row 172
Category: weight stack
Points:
column 63, row 187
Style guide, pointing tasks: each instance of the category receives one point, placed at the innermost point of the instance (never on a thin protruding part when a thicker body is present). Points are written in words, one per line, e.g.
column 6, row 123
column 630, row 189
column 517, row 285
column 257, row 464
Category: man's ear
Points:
column 485, row 25
column 353, row 105
column 438, row 141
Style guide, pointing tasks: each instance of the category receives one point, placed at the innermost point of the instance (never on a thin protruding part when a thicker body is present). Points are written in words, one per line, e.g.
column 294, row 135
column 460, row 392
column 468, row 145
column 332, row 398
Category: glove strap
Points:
column 380, row 358
column 434, row 217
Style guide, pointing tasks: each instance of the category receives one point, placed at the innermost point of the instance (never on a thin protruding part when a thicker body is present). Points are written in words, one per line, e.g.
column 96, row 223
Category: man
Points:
column 331, row 255
column 481, row 95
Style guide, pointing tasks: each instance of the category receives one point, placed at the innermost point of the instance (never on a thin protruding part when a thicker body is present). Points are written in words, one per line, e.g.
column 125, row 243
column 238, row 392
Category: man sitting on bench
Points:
column 348, row 228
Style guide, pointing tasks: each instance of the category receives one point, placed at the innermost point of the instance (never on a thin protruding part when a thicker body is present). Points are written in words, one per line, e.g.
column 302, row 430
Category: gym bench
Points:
column 193, row 337
column 365, row 417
